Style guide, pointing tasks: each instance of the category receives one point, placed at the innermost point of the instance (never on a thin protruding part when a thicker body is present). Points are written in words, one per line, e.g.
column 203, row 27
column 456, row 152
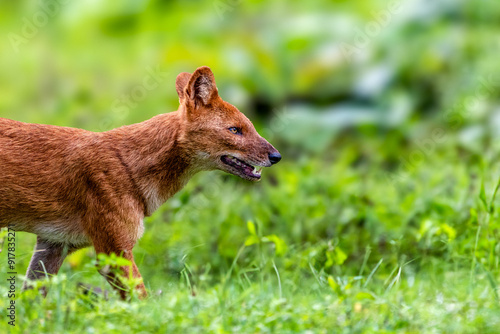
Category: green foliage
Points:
column 383, row 216
column 379, row 256
column 253, row 238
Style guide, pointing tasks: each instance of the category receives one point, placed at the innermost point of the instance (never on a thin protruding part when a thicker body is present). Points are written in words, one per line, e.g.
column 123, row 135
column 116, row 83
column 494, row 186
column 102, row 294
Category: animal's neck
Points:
column 157, row 161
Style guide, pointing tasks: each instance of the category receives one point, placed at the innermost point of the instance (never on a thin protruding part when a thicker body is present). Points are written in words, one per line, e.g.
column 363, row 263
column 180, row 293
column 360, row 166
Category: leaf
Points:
column 427, row 227
column 122, row 262
column 449, row 231
column 252, row 240
column 279, row 243
column 334, row 285
column 364, row 295
column 335, row 256
column 340, row 256
column 113, row 260
column 251, row 228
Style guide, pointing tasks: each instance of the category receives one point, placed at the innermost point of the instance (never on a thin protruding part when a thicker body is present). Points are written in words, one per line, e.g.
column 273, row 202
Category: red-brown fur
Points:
column 76, row 188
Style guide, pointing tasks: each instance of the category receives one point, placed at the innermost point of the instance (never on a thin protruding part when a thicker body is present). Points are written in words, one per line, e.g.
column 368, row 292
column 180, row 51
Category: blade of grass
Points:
column 373, row 272
column 279, row 279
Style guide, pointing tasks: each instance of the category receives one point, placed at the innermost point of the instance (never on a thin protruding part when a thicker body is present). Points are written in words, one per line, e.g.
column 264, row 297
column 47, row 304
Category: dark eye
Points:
column 235, row 130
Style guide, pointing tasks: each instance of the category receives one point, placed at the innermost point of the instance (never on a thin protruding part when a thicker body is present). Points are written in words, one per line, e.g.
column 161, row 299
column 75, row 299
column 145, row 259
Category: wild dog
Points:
column 75, row 188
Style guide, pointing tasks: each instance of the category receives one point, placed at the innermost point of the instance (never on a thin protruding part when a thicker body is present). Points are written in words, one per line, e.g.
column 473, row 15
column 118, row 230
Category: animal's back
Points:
column 34, row 163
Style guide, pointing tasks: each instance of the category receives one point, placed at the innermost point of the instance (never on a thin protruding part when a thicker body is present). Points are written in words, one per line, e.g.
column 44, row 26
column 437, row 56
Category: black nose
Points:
column 274, row 157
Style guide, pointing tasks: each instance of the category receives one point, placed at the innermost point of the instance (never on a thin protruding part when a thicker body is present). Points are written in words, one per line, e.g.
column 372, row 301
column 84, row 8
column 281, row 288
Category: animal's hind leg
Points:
column 47, row 259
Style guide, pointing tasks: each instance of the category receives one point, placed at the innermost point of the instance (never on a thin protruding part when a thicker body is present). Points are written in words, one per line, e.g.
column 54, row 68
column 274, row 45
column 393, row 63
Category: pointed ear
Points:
column 181, row 83
column 201, row 87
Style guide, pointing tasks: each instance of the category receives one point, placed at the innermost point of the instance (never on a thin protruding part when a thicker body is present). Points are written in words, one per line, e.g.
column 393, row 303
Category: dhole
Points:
column 74, row 188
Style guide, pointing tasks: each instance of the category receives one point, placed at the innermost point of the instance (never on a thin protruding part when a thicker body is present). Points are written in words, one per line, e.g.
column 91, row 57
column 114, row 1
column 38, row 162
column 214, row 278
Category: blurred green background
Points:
column 383, row 209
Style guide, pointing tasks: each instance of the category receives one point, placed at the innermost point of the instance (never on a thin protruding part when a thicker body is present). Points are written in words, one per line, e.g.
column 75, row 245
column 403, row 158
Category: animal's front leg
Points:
column 47, row 259
column 109, row 243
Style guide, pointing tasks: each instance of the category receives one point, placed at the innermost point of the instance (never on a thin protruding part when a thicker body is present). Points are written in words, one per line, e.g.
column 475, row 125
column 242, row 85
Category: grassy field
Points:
column 348, row 245
column 383, row 216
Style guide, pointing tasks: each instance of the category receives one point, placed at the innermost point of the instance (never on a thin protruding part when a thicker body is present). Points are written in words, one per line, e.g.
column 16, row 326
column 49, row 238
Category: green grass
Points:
column 330, row 245
column 342, row 236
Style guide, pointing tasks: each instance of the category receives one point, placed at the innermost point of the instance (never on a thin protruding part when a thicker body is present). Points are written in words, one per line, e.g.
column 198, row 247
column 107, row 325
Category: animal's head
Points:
column 216, row 133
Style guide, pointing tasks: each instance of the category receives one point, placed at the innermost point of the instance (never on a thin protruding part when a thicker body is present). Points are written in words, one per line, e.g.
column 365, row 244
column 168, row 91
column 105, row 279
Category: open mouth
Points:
column 242, row 168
